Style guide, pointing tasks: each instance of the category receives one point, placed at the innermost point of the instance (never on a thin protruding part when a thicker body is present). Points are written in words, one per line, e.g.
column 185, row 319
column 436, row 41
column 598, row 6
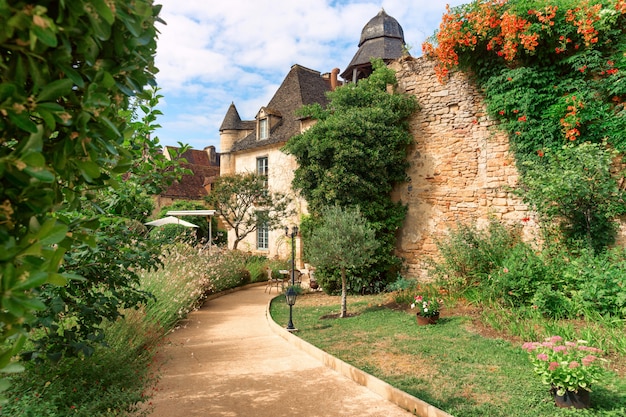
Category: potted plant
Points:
column 570, row 368
column 427, row 309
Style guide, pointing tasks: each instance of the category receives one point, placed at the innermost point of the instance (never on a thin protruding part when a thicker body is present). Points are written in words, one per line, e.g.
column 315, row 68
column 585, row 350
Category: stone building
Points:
column 460, row 166
column 254, row 146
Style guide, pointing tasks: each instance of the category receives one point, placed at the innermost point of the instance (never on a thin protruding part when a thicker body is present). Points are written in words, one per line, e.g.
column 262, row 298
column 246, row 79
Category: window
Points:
column 262, row 236
column 262, row 168
column 264, row 130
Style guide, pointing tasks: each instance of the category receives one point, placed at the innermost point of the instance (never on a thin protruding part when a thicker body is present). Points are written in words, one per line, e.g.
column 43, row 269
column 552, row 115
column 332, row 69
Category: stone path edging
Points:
column 388, row 392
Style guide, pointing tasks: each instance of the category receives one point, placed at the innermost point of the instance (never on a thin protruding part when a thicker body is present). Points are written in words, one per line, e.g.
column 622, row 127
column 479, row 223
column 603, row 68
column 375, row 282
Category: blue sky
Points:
column 212, row 53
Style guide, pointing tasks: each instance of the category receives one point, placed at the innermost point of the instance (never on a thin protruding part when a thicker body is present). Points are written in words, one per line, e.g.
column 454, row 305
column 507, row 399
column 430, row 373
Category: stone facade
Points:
column 461, row 169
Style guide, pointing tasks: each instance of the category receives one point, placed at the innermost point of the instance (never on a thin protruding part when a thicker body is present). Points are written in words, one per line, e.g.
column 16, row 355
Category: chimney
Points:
column 333, row 79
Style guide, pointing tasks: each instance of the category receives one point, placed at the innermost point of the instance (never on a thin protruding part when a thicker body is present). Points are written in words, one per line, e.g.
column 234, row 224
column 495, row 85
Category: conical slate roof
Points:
column 232, row 121
column 381, row 26
column 382, row 37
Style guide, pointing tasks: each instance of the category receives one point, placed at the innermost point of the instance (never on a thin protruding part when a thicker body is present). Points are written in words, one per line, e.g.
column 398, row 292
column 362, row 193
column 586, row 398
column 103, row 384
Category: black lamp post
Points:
column 291, row 295
column 294, row 233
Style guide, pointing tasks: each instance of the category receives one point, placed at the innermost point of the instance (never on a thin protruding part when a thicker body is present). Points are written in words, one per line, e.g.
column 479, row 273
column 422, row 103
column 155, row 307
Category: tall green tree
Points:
column 244, row 203
column 68, row 70
column 345, row 241
column 354, row 155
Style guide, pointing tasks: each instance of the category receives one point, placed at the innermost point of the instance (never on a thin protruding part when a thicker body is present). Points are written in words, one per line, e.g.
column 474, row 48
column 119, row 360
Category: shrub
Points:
column 257, row 268
column 518, row 278
column 468, row 254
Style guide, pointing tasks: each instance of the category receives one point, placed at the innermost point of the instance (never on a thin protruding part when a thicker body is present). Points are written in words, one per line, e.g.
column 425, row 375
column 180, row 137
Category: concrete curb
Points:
column 389, row 393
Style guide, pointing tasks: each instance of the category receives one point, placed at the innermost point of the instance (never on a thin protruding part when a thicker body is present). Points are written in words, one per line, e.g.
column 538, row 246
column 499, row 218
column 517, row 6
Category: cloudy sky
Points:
column 212, row 53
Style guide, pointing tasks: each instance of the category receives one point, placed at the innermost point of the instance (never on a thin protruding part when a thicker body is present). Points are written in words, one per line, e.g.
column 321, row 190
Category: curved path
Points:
column 226, row 360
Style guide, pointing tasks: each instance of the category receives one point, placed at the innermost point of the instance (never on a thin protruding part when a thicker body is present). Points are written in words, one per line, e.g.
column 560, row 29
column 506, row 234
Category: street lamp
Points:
column 294, row 233
column 291, row 295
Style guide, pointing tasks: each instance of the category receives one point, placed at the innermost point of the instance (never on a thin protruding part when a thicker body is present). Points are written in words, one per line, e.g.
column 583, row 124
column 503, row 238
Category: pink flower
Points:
column 553, row 366
column 555, row 339
column 574, row 364
column 419, row 298
column 543, row 357
column 559, row 348
column 588, row 360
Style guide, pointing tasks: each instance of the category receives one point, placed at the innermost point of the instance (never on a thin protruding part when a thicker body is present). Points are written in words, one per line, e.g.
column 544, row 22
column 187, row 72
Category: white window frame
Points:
column 262, row 236
column 264, row 128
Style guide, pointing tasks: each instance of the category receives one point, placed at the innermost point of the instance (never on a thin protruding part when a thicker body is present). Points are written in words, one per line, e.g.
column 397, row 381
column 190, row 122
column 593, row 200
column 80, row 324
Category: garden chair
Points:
column 273, row 281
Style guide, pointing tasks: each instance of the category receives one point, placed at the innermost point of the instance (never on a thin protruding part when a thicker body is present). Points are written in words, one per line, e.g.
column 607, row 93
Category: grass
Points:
column 451, row 365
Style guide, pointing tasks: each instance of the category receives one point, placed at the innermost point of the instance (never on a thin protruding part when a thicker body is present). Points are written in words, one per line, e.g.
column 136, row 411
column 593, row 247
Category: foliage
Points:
column 73, row 314
column 354, row 155
column 565, row 366
column 556, row 282
column 427, row 306
column 468, row 254
column 576, row 189
column 257, row 268
column 67, row 71
column 553, row 73
column 244, row 202
column 344, row 241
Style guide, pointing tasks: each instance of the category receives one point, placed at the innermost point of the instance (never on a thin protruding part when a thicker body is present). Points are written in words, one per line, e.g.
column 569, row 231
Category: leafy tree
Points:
column 354, row 155
column 344, row 240
column 244, row 202
column 576, row 189
column 68, row 71
column 110, row 248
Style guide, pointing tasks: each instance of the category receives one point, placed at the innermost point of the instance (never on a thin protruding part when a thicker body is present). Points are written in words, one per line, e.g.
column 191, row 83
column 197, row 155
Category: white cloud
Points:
column 213, row 53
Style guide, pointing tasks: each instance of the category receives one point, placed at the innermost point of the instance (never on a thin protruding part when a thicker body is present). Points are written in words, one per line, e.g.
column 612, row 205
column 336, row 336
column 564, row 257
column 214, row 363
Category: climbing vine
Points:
column 553, row 72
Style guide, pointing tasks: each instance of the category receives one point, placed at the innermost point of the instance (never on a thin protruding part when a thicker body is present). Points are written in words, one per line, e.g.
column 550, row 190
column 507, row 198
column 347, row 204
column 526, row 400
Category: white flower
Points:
column 413, row 305
column 426, row 310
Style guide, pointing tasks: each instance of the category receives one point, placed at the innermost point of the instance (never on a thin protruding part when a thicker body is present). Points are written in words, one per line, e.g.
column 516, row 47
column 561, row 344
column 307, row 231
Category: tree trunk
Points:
column 344, row 295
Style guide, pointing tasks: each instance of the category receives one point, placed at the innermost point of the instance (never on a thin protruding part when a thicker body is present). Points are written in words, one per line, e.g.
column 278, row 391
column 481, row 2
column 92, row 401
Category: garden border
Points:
column 386, row 391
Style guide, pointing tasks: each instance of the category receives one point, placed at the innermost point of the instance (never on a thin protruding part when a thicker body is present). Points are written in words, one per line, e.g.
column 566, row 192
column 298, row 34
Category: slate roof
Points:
column 300, row 87
column 232, row 121
column 382, row 37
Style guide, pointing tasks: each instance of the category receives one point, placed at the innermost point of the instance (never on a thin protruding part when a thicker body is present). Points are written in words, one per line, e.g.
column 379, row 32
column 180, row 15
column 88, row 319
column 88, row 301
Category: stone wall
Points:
column 461, row 169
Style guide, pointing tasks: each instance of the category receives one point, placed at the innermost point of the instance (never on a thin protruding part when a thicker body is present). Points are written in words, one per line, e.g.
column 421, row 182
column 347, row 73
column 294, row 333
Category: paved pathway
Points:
column 226, row 361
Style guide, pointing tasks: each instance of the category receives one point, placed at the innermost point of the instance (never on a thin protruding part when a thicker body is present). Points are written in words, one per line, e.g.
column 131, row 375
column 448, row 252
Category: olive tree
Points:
column 343, row 240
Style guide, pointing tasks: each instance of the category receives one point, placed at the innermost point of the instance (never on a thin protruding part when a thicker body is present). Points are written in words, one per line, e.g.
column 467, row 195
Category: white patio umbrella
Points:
column 170, row 220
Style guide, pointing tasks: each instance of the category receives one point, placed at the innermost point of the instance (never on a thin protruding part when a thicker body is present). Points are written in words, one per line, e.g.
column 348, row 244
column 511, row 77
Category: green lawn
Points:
column 449, row 365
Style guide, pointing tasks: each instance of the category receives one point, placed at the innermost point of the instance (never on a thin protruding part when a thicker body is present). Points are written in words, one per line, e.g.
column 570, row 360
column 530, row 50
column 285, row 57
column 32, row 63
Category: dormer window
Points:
column 264, row 128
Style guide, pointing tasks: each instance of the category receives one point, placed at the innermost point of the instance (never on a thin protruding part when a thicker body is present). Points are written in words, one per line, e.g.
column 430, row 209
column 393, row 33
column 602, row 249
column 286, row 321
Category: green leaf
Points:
column 34, row 280
column 22, row 120
column 55, row 90
column 45, row 35
column 57, row 279
column 52, row 235
column 41, row 174
column 104, row 11
column 89, row 170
